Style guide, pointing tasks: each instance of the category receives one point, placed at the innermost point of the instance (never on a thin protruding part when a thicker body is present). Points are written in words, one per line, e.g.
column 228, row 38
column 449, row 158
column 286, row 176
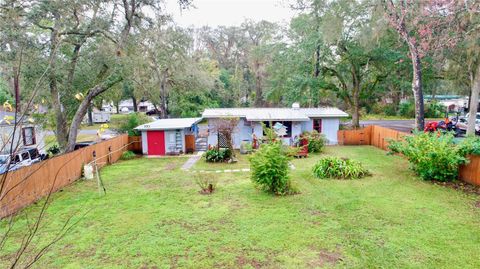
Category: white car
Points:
column 463, row 123
column 23, row 158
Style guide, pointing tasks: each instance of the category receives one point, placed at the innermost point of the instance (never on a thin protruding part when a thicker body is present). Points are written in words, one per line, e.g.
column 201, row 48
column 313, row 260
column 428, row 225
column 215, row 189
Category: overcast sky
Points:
column 230, row 12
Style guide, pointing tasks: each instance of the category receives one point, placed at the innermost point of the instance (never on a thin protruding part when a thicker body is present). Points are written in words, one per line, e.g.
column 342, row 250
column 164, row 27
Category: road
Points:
column 399, row 125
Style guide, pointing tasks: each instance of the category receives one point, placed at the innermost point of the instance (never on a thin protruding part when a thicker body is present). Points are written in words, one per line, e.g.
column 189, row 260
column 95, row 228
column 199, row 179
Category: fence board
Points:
column 471, row 172
column 29, row 184
column 379, row 136
column 135, row 144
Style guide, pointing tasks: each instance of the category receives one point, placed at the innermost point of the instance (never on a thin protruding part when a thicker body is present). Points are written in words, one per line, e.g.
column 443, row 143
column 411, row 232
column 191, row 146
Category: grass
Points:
column 242, row 162
column 153, row 215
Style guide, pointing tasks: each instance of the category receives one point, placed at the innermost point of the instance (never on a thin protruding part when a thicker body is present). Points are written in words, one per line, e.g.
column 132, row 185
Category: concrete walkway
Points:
column 192, row 160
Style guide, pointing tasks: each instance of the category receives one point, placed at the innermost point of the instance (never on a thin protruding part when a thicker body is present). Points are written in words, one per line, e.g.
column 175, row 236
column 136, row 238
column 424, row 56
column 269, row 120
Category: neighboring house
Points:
column 453, row 103
column 27, row 134
column 126, row 106
column 145, row 106
column 325, row 120
column 169, row 136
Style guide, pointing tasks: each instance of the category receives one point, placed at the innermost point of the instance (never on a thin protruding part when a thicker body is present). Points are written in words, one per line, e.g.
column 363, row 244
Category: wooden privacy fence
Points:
column 379, row 136
column 371, row 135
column 135, row 144
column 29, row 184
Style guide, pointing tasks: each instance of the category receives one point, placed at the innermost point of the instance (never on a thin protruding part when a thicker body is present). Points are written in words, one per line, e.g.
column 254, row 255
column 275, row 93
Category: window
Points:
column 16, row 159
column 287, row 124
column 317, row 125
column 28, row 134
column 25, row 155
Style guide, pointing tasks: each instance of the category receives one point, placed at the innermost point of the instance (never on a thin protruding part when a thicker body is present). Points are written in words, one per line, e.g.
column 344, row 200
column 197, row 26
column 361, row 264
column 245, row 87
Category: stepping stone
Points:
column 227, row 171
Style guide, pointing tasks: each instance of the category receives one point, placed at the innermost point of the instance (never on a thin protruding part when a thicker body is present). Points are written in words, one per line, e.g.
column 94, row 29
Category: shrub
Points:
column 316, row 141
column 334, row 167
column 407, row 110
column 470, row 145
column 434, row 110
column 269, row 166
column 207, row 183
column 214, row 155
column 133, row 120
column 432, row 156
column 53, row 150
column 384, row 109
column 127, row 155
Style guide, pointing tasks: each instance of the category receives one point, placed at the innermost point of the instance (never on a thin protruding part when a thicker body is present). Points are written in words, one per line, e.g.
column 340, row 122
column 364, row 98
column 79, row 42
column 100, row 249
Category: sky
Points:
column 230, row 12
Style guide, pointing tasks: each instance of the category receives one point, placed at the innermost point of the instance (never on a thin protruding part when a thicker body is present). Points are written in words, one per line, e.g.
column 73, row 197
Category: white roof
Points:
column 324, row 112
column 169, row 124
column 266, row 114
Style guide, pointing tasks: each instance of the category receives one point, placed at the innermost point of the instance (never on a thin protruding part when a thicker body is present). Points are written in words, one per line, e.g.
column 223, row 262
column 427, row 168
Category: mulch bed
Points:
column 460, row 185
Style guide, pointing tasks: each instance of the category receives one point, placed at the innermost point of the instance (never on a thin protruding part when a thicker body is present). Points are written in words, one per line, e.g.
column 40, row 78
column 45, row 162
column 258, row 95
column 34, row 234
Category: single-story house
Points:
column 325, row 120
column 168, row 136
column 27, row 133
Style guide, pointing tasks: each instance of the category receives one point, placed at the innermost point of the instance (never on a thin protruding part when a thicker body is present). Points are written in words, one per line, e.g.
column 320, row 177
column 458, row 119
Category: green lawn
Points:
column 154, row 217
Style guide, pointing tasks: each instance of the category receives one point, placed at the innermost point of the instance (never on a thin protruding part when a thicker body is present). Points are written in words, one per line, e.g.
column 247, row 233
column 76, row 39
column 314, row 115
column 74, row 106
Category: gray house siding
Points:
column 245, row 131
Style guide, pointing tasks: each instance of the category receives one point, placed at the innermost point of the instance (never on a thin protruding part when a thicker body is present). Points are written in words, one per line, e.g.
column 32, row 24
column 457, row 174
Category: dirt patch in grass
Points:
column 460, row 185
column 243, row 261
column 171, row 166
column 325, row 257
column 477, row 204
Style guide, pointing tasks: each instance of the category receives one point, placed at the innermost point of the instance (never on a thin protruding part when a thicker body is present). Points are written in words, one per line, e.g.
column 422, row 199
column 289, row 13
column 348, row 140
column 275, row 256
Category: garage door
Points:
column 156, row 142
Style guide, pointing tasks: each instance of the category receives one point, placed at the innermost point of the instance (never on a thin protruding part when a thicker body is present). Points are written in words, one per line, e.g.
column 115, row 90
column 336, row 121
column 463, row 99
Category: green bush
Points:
column 432, row 156
column 334, row 167
column 269, row 166
column 214, row 155
column 127, row 155
column 470, row 145
column 53, row 150
column 316, row 141
column 384, row 109
column 434, row 110
column 407, row 110
column 133, row 120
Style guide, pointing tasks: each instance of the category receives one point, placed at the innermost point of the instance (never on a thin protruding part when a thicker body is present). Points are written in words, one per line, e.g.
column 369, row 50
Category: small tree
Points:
column 269, row 167
column 225, row 127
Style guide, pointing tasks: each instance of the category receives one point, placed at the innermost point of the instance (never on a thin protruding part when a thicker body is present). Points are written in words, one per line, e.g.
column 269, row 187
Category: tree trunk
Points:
column 163, row 94
column 82, row 109
column 317, row 62
column 60, row 117
column 355, row 113
column 258, row 85
column 16, row 87
column 117, row 107
column 417, row 89
column 135, row 106
column 130, row 11
column 474, row 102
column 90, row 116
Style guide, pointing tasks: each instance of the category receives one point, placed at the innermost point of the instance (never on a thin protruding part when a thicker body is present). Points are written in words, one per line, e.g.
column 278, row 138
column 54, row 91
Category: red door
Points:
column 156, row 142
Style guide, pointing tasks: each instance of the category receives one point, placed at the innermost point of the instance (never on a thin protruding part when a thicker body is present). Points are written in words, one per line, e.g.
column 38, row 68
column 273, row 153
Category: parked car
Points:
column 463, row 123
column 24, row 157
column 152, row 112
column 83, row 144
